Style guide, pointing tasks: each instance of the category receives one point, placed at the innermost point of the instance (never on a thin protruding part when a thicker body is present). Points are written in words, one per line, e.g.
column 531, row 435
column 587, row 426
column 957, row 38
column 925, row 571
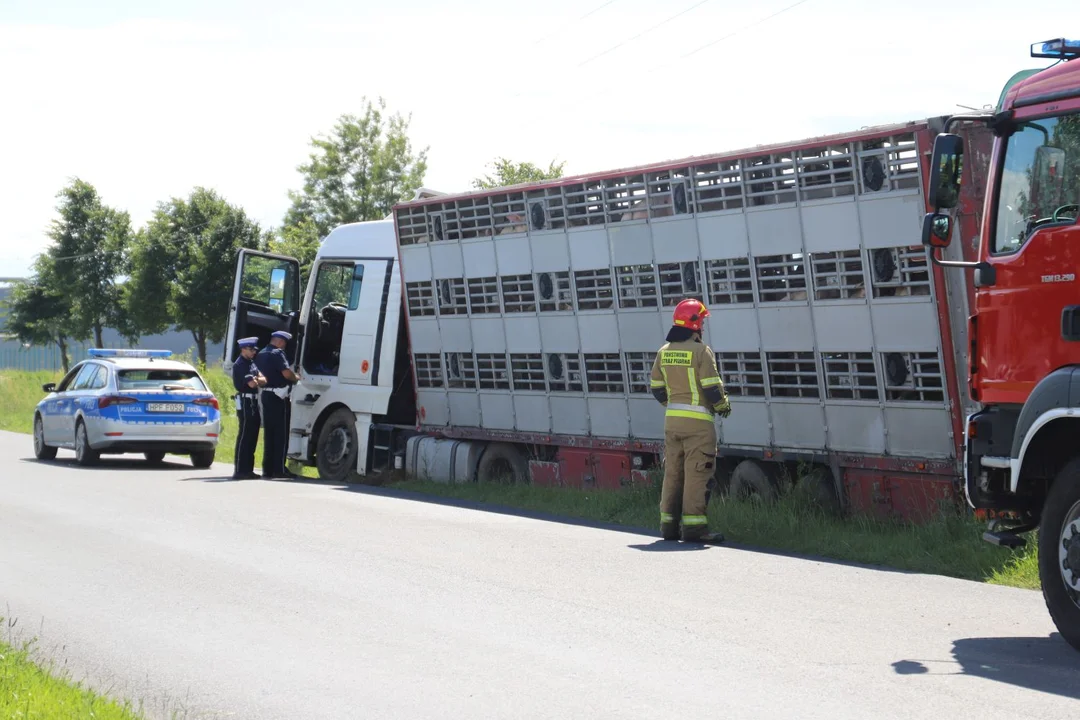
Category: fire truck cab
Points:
column 1022, row 448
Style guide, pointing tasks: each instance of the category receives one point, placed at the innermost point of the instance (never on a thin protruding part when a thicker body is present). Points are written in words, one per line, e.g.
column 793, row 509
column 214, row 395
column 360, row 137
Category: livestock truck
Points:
column 509, row 333
column 1021, row 459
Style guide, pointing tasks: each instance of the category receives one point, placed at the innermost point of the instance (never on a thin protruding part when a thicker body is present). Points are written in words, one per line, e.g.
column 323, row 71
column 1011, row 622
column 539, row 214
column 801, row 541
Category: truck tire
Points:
column 502, row 463
column 818, row 491
column 748, row 479
column 1060, row 521
column 337, row 447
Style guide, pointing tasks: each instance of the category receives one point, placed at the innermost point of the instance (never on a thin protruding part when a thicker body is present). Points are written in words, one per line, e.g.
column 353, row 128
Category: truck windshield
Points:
column 1040, row 180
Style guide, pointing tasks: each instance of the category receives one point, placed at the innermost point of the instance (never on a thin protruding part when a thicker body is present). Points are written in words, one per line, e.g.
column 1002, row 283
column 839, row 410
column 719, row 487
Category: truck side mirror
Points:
column 946, row 166
column 936, row 230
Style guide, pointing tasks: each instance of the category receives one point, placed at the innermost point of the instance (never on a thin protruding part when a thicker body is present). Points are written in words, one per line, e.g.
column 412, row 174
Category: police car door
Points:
column 266, row 298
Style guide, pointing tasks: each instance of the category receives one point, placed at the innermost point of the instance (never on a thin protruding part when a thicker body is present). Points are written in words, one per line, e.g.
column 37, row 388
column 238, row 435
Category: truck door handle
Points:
column 1070, row 323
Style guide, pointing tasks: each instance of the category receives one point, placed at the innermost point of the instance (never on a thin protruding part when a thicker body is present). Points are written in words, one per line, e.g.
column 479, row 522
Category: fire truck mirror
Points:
column 936, row 230
column 945, row 170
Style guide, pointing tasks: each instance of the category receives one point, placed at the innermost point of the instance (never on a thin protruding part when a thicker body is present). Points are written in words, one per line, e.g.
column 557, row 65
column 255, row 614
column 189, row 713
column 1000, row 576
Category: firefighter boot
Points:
column 700, row 462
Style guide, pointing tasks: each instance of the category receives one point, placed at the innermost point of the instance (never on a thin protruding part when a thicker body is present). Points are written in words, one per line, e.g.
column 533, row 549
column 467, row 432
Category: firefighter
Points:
column 686, row 382
column 247, row 379
column 272, row 362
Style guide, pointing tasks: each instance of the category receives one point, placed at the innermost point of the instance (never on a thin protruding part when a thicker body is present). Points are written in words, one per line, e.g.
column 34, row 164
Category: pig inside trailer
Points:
column 513, row 329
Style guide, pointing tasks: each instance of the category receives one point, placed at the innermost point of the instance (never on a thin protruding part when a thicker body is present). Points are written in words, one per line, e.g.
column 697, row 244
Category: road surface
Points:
column 264, row 599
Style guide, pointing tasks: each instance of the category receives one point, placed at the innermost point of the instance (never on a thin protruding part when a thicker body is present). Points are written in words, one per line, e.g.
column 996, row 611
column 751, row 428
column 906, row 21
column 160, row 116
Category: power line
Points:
column 573, row 22
column 753, row 24
column 643, row 32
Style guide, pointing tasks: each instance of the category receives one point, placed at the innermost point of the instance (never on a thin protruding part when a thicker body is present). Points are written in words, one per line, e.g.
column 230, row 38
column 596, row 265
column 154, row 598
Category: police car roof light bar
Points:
column 128, row 352
column 1058, row 49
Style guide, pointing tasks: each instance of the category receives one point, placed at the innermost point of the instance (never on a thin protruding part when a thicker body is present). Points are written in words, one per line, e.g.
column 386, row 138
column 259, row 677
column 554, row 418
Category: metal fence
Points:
column 15, row 356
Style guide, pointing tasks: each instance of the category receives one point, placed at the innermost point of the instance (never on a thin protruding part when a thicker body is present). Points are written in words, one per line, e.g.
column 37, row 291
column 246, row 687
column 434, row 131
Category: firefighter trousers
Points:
column 689, row 463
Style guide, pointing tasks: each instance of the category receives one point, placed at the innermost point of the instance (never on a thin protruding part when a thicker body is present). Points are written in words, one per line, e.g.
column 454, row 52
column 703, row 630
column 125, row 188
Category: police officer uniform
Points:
column 686, row 382
column 271, row 361
column 244, row 371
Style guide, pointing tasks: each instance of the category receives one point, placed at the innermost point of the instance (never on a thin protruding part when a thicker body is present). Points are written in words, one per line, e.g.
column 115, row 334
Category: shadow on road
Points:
column 669, row 546
column 126, row 463
column 1043, row 664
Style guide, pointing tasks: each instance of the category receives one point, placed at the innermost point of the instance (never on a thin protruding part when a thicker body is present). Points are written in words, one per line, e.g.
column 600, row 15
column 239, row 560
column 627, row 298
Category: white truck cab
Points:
column 349, row 344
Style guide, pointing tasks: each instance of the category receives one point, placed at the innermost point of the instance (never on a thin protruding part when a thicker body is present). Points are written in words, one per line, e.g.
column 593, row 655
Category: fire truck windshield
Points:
column 1040, row 179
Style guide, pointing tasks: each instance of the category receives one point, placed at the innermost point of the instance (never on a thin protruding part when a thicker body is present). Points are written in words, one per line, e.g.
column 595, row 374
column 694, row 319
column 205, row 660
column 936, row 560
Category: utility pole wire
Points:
column 643, row 32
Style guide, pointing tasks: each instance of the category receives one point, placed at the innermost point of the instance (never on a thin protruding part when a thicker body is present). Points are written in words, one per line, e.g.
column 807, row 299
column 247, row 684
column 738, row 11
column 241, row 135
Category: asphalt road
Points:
column 263, row 599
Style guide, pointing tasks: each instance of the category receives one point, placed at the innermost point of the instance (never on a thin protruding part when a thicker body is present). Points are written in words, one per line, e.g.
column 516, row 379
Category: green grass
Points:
column 35, row 689
column 952, row 545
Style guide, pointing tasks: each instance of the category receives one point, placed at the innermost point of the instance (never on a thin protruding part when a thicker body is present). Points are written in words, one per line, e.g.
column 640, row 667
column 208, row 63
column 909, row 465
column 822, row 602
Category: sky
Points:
column 148, row 99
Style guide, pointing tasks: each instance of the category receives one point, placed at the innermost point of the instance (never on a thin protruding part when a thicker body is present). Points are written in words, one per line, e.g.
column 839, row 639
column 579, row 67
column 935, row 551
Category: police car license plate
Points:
column 165, row 407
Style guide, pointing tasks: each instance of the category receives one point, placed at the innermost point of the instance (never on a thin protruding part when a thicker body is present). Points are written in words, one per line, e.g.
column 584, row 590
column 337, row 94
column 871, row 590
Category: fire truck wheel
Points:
column 336, row 448
column 502, row 463
column 1059, row 552
column 749, row 479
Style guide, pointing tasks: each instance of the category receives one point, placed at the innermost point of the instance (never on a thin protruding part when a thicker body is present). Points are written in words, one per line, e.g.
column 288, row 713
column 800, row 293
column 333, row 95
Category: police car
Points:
column 129, row 401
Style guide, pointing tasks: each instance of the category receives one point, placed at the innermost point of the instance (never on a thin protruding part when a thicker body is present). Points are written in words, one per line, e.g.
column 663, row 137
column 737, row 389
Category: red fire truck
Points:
column 1022, row 452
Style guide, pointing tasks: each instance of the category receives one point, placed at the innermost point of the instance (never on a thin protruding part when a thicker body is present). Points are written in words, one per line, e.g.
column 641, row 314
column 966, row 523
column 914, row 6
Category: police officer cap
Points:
column 282, row 334
column 248, row 342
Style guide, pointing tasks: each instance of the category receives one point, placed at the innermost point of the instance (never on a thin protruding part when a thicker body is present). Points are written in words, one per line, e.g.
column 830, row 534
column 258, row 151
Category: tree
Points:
column 183, row 264
column 300, row 241
column 89, row 255
column 38, row 311
column 511, row 173
column 358, row 173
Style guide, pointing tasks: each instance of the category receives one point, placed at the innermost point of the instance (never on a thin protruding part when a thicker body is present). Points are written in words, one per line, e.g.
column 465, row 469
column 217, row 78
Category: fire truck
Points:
column 509, row 333
column 1021, row 458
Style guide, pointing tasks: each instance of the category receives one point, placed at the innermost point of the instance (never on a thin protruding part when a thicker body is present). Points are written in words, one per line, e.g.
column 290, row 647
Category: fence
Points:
column 15, row 356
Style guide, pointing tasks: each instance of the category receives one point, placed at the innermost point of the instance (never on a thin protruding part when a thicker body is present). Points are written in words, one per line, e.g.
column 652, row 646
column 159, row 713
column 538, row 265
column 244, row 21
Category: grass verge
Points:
column 33, row 689
column 951, row 546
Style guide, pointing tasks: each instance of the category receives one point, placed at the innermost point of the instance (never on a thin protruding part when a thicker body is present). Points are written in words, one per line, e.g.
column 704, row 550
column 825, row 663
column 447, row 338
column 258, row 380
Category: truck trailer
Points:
column 1021, row 460
column 509, row 333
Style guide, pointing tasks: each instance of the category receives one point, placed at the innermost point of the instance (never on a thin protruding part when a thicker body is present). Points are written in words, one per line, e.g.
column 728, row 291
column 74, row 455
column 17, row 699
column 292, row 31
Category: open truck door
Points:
column 266, row 298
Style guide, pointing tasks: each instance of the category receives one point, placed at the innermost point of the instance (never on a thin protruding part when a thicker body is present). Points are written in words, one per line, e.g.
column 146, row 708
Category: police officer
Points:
column 272, row 362
column 686, row 382
column 247, row 379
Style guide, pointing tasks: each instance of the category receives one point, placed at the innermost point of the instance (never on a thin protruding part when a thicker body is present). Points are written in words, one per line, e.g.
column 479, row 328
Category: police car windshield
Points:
column 156, row 379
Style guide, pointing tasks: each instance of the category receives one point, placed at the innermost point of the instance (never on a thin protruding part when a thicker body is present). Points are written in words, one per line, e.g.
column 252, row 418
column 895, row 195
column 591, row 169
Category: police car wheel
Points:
column 203, row 459
column 84, row 454
column 41, row 450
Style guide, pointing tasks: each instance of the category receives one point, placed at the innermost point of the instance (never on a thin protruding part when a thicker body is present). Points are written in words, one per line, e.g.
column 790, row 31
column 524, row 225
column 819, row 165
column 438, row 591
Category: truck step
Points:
column 1004, row 538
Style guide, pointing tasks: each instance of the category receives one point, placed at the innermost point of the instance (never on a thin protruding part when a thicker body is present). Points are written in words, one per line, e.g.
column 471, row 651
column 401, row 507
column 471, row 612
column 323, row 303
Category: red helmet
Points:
column 690, row 314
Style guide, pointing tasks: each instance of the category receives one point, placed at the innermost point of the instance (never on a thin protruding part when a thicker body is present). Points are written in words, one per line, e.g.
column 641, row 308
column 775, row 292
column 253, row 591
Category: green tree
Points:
column 300, row 241
column 38, row 311
column 183, row 265
column 89, row 254
column 359, row 172
column 508, row 172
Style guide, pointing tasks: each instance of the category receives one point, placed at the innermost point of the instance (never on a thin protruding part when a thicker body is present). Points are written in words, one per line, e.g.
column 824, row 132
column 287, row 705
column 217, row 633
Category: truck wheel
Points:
column 502, row 463
column 818, row 491
column 1059, row 552
column 750, row 479
column 337, row 447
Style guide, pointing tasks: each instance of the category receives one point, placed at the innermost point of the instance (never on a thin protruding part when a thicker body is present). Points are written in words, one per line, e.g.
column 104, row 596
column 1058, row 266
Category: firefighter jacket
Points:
column 685, row 380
